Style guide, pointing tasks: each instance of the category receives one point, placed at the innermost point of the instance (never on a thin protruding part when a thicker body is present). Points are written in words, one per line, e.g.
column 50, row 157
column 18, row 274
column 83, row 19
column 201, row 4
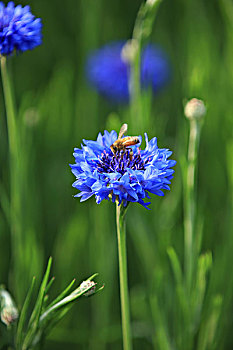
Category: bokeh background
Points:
column 57, row 109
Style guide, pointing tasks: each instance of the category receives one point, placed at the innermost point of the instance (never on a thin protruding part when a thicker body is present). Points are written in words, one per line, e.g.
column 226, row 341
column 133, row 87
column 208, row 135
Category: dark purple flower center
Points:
column 120, row 161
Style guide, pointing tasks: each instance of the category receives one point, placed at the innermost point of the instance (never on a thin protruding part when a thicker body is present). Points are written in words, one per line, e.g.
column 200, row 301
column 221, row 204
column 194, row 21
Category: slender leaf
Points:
column 23, row 315
column 62, row 294
column 34, row 320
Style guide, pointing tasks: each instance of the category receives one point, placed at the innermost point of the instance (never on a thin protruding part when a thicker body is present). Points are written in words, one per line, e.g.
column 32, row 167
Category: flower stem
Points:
column 141, row 32
column 135, row 90
column 190, row 200
column 125, row 314
column 14, row 169
column 11, row 124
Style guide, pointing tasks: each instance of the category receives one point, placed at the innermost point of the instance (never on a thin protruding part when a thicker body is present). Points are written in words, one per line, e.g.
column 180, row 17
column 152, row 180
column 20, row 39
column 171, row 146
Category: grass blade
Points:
column 62, row 294
column 23, row 314
column 34, row 320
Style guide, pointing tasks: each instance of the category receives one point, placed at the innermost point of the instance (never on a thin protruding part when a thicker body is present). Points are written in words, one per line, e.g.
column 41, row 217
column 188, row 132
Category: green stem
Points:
column 14, row 169
column 11, row 124
column 190, row 200
column 141, row 32
column 135, row 91
column 125, row 314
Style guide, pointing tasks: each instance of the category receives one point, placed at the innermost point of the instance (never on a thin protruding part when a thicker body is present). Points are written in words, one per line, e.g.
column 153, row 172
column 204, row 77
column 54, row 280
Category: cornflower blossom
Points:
column 19, row 29
column 108, row 72
column 125, row 176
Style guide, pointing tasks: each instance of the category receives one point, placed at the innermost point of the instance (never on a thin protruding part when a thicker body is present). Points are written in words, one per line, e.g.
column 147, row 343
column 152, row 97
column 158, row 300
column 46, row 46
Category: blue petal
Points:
column 19, row 29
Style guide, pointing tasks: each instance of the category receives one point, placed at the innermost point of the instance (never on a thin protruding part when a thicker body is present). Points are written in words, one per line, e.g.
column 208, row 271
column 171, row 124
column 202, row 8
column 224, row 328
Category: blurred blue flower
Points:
column 109, row 73
column 126, row 176
column 19, row 29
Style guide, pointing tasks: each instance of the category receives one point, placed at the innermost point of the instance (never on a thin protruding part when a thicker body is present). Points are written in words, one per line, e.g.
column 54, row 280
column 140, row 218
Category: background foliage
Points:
column 57, row 109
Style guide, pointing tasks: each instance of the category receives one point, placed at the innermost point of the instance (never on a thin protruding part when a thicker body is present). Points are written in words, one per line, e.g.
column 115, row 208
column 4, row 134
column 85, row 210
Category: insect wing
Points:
column 123, row 130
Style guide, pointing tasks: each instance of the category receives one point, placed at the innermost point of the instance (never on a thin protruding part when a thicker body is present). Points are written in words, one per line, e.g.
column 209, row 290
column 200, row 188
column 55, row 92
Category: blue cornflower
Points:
column 109, row 73
column 127, row 175
column 19, row 29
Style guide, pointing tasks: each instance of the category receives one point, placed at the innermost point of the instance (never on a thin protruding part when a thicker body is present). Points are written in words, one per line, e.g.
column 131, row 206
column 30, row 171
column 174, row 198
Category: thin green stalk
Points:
column 141, row 32
column 125, row 314
column 14, row 167
column 190, row 200
column 135, row 89
column 11, row 123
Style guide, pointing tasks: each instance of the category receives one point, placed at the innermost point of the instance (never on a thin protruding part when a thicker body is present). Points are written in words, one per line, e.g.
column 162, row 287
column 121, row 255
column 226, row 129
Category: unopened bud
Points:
column 129, row 51
column 195, row 109
column 151, row 2
column 9, row 312
column 87, row 284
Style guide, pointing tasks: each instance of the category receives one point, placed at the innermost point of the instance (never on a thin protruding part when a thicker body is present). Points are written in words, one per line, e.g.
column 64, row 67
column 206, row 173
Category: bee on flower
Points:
column 123, row 174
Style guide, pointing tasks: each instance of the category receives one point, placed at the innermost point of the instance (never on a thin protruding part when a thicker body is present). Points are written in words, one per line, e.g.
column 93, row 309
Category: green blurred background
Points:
column 57, row 109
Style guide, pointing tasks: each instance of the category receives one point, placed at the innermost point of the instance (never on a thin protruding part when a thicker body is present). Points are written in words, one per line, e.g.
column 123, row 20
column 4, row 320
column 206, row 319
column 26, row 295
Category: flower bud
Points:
column 87, row 284
column 195, row 109
column 9, row 312
column 129, row 51
column 151, row 2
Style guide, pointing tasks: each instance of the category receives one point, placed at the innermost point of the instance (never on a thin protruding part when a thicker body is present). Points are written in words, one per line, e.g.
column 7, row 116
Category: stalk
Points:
column 124, row 292
column 141, row 32
column 190, row 200
column 14, row 168
column 11, row 124
column 135, row 88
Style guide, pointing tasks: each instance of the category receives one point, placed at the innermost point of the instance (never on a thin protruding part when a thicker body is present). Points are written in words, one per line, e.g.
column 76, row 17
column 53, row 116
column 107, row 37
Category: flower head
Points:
column 127, row 175
column 19, row 29
column 108, row 72
column 195, row 109
column 8, row 310
column 86, row 285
